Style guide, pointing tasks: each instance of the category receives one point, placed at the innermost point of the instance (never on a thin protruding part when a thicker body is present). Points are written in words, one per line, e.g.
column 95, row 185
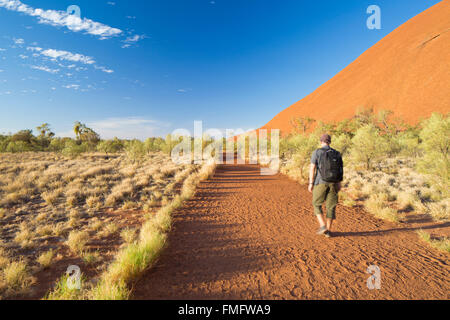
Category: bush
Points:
column 155, row 144
column 409, row 143
column 368, row 145
column 301, row 148
column 72, row 149
column 110, row 146
column 342, row 144
column 18, row 146
column 57, row 145
column 135, row 150
column 435, row 136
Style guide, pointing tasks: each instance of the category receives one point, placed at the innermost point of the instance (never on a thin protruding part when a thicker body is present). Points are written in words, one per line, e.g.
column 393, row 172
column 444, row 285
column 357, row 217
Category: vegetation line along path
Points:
column 247, row 236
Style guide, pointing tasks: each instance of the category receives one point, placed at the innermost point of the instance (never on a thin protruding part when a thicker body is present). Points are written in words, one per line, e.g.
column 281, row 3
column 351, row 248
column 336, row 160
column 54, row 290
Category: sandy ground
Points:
column 247, row 236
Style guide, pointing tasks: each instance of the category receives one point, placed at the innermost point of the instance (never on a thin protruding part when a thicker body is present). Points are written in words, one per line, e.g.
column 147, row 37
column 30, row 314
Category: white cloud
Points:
column 2, row 50
column 111, row 3
column 72, row 86
column 34, row 49
column 45, row 68
column 63, row 55
column 17, row 41
column 132, row 40
column 104, row 69
column 62, row 19
column 22, row 56
column 128, row 128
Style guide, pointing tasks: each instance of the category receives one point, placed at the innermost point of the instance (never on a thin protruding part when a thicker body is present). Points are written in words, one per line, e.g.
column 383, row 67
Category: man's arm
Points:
column 312, row 175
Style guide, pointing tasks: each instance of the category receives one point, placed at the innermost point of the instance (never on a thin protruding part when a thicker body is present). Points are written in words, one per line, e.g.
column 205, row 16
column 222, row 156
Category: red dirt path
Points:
column 247, row 236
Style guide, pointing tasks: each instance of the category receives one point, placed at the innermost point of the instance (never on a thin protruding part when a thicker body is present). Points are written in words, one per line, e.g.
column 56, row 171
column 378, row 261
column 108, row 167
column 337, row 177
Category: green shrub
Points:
column 57, row 144
column 73, row 149
column 110, row 146
column 408, row 142
column 342, row 143
column 303, row 147
column 19, row 146
column 155, row 144
column 135, row 150
column 368, row 145
column 435, row 136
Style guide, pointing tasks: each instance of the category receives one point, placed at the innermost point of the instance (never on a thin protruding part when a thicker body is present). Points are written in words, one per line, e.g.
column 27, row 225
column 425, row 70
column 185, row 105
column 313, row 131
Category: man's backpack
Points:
column 331, row 166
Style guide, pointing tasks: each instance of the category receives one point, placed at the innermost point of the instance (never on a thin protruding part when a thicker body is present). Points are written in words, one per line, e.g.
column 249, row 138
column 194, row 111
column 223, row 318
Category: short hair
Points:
column 325, row 138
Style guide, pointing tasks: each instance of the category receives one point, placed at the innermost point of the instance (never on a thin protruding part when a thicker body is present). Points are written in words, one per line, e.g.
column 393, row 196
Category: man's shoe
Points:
column 322, row 231
column 328, row 234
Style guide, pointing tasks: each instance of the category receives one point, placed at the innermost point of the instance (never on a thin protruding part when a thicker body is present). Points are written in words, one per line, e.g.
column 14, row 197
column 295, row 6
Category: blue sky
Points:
column 144, row 68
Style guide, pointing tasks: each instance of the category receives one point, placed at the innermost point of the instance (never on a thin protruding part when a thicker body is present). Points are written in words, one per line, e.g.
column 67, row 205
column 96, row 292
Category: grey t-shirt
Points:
column 315, row 160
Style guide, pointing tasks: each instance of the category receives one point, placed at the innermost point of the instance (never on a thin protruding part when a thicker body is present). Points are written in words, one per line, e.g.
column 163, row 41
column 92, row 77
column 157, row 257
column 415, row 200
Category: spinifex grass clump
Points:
column 442, row 244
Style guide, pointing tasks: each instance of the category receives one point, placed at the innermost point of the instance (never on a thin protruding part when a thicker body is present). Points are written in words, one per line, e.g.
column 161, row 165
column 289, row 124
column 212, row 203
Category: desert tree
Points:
column 86, row 134
column 368, row 145
column 23, row 136
column 342, row 143
column 435, row 136
column 110, row 146
column 45, row 135
column 77, row 127
column 45, row 131
column 302, row 124
column 364, row 116
column 135, row 151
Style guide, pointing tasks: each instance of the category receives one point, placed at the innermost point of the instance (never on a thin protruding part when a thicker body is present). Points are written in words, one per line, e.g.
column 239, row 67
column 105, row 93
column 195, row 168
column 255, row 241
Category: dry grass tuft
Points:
column 376, row 205
column 109, row 229
column 77, row 241
column 46, row 259
column 51, row 197
column 16, row 278
column 442, row 244
column 128, row 235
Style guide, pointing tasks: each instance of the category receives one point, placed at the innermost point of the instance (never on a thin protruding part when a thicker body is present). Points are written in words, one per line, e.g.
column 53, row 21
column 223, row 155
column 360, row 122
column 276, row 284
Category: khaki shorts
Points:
column 325, row 193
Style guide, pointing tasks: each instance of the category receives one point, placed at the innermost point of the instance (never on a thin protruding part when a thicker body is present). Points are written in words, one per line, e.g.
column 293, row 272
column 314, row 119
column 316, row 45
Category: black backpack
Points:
column 331, row 166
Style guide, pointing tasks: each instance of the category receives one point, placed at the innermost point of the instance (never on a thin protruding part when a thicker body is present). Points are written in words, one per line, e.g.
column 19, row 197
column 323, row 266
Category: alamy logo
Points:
column 374, row 281
column 74, row 10
column 74, row 278
column 374, row 21
column 229, row 146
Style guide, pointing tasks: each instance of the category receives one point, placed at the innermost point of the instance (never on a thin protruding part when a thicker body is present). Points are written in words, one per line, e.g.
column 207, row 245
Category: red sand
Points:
column 247, row 236
column 407, row 72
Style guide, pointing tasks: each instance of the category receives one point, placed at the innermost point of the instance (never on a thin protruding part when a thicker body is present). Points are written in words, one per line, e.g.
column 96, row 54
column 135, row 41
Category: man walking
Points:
column 325, row 176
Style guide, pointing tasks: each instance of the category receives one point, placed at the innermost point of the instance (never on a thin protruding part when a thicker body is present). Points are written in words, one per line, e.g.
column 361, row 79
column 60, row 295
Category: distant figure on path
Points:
column 325, row 176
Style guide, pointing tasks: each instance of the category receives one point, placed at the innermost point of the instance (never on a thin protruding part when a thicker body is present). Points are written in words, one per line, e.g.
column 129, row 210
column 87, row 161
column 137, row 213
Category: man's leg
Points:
column 329, row 224
column 331, row 203
column 319, row 196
